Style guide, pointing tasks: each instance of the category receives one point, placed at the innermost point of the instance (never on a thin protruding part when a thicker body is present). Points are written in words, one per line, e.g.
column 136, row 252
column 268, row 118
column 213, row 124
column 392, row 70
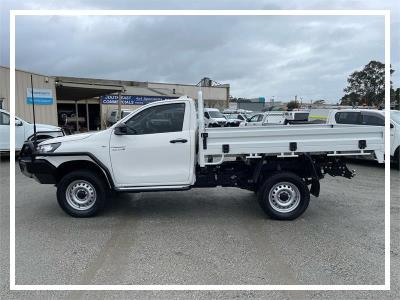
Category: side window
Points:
column 240, row 117
column 157, row 119
column 4, row 119
column 375, row 120
column 348, row 117
column 207, row 115
column 260, row 118
column 254, row 118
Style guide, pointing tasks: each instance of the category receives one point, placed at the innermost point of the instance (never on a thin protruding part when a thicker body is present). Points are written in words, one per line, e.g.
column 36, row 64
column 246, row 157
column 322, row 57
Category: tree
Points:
column 366, row 86
column 292, row 105
column 350, row 99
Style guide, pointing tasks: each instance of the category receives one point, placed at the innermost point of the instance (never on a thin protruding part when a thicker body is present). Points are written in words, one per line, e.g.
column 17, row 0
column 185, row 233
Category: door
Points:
column 274, row 118
column 4, row 131
column 156, row 151
column 255, row 120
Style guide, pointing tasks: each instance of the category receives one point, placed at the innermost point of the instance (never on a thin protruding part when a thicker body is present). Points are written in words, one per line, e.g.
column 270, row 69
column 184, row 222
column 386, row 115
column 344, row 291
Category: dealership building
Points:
column 84, row 103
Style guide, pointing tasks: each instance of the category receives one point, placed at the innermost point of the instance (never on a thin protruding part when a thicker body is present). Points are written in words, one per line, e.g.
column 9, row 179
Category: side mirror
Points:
column 18, row 122
column 121, row 129
column 391, row 125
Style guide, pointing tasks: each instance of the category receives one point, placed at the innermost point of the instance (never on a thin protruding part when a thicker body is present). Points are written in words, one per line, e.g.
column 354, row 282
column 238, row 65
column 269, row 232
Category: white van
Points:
column 24, row 132
column 214, row 118
column 373, row 117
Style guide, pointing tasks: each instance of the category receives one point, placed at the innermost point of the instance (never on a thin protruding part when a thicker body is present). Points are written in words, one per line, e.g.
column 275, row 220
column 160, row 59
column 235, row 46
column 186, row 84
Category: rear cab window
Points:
column 348, row 117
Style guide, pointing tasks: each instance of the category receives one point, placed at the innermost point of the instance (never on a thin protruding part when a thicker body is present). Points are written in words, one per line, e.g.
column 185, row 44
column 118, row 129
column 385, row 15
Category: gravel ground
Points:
column 204, row 236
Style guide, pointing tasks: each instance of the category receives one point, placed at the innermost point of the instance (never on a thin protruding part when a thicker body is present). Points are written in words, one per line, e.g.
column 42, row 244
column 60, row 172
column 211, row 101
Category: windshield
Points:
column 231, row 116
column 215, row 114
column 395, row 116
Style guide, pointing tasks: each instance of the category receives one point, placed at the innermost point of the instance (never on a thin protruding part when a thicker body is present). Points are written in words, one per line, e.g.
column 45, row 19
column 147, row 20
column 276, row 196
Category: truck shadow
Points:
column 369, row 163
column 195, row 203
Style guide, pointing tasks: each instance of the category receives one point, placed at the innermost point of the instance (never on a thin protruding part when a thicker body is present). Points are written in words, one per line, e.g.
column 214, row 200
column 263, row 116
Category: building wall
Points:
column 46, row 114
column 5, row 87
column 213, row 96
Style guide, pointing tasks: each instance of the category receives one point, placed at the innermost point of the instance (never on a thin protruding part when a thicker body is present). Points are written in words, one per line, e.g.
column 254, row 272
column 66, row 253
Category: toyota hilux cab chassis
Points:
column 164, row 146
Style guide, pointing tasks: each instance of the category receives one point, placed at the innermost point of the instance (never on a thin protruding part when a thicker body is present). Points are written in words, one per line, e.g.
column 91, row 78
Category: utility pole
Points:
column 119, row 106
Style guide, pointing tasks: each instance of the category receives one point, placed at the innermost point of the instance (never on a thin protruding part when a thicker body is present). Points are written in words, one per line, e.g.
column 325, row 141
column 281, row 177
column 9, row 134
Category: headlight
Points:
column 48, row 147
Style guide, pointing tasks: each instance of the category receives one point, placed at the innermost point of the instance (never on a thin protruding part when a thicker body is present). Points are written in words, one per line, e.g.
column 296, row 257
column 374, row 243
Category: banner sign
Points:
column 132, row 100
column 41, row 96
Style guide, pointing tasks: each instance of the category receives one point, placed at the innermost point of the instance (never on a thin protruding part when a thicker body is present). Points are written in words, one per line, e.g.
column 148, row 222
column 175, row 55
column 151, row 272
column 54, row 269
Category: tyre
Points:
column 81, row 194
column 284, row 196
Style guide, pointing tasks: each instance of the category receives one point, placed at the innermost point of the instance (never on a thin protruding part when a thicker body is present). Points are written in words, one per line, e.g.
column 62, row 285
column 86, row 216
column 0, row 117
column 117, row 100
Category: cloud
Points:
column 259, row 56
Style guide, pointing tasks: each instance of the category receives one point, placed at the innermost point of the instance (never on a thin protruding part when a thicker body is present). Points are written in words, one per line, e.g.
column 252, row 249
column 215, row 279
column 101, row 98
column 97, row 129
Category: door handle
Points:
column 178, row 141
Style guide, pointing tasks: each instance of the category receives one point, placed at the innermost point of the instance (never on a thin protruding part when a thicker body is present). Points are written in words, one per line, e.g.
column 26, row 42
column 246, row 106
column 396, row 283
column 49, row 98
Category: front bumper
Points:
column 39, row 169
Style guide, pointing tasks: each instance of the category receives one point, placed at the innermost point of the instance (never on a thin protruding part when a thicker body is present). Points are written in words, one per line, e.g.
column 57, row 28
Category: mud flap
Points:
column 315, row 187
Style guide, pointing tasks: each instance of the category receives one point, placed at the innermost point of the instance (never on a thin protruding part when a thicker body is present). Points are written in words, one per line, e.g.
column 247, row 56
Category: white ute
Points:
column 24, row 132
column 165, row 146
column 371, row 117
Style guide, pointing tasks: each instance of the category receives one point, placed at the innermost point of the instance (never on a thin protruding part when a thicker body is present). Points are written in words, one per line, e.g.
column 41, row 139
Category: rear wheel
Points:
column 284, row 196
column 81, row 194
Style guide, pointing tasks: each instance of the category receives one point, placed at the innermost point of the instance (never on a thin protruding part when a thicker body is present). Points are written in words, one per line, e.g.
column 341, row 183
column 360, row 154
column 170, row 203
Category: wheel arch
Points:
column 74, row 165
column 303, row 166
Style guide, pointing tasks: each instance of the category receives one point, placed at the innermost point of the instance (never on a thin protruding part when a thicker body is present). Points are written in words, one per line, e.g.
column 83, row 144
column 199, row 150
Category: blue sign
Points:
column 132, row 100
column 41, row 96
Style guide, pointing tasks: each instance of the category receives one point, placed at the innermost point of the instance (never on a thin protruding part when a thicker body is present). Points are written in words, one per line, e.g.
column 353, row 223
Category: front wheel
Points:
column 81, row 194
column 284, row 196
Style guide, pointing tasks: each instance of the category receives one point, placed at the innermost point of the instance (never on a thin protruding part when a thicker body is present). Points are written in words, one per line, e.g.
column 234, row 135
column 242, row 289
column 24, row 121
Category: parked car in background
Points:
column 214, row 118
column 277, row 118
column 24, row 132
column 112, row 115
column 373, row 117
column 234, row 120
column 245, row 114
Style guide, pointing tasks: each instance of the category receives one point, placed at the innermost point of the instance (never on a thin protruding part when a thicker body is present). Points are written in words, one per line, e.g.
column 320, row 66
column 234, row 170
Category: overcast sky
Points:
column 258, row 56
